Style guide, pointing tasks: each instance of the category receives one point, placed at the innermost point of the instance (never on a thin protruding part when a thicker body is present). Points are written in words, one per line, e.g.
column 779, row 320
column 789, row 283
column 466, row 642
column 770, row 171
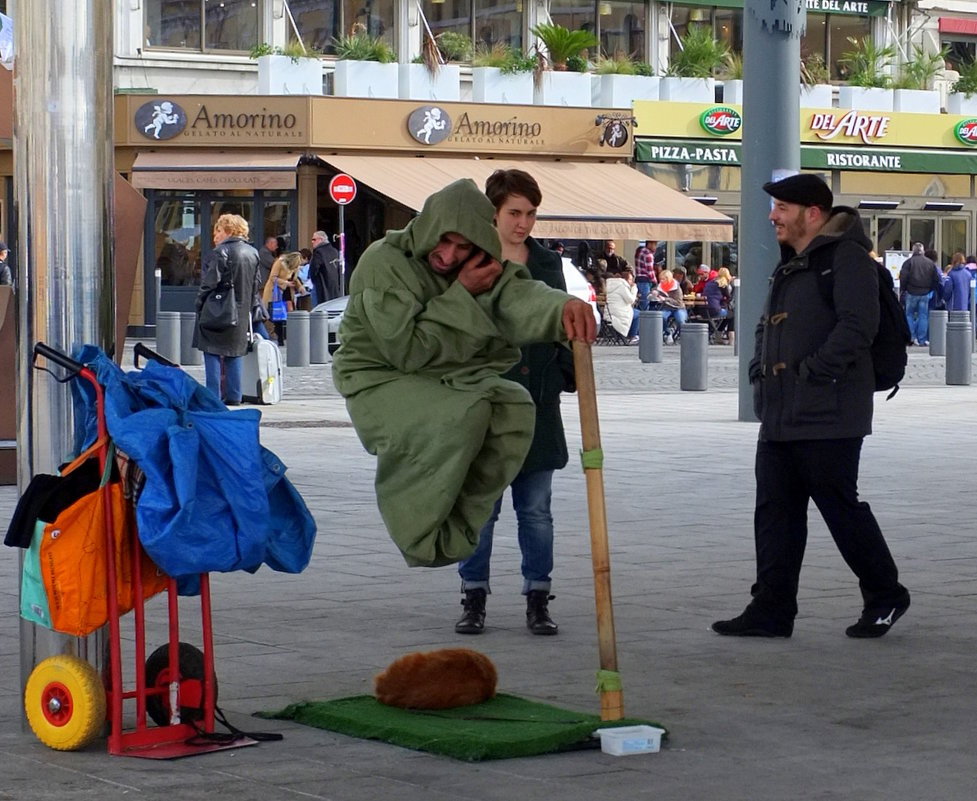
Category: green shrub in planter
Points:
column 615, row 66
column 966, row 84
column 919, row 72
column 502, row 56
column 293, row 50
column 700, row 55
column 868, row 64
column 562, row 44
column 814, row 71
column 362, row 47
column 455, row 46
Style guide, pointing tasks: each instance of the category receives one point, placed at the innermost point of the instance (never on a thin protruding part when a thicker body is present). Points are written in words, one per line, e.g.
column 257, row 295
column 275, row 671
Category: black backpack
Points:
column 889, row 348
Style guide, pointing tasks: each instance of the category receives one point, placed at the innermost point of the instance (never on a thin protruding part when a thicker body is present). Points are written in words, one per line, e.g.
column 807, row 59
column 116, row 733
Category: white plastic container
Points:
column 627, row 740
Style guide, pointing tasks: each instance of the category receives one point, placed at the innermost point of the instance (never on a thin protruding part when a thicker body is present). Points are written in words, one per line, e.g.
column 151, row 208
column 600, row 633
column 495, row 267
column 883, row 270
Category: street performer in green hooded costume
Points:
column 434, row 318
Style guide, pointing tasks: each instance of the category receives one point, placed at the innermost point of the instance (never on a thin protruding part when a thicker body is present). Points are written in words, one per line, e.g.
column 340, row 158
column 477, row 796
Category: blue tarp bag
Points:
column 214, row 498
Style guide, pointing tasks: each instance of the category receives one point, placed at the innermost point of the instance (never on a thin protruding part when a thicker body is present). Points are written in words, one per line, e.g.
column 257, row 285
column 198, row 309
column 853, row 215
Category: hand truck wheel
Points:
column 65, row 702
column 191, row 672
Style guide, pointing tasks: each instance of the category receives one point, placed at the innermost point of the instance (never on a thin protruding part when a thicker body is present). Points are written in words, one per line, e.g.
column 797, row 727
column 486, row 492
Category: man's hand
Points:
column 579, row 322
column 479, row 273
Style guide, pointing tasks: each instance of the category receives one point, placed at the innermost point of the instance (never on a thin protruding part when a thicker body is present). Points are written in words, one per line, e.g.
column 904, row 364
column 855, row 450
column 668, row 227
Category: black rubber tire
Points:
column 191, row 666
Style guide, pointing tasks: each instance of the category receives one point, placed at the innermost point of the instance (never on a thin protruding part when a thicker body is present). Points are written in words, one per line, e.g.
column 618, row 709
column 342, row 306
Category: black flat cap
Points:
column 803, row 189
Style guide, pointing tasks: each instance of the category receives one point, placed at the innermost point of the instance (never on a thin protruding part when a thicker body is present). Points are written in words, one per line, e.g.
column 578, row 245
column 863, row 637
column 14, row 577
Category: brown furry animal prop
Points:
column 437, row 680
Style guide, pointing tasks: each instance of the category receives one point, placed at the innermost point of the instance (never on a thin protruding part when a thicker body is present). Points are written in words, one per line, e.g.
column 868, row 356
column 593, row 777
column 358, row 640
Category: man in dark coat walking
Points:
column 919, row 277
column 813, row 381
column 325, row 272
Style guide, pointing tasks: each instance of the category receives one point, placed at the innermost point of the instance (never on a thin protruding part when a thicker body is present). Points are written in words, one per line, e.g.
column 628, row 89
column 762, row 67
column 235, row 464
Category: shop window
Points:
column 574, row 15
column 726, row 24
column 177, row 244
column 276, row 221
column 960, row 50
column 499, row 21
column 622, row 30
column 839, row 28
column 693, row 177
column 954, row 238
column 322, row 22
column 203, row 24
column 904, row 184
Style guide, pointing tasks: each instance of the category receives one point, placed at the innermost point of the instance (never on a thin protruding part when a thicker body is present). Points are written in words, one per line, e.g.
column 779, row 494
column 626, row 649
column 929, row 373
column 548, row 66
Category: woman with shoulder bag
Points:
column 277, row 294
column 231, row 267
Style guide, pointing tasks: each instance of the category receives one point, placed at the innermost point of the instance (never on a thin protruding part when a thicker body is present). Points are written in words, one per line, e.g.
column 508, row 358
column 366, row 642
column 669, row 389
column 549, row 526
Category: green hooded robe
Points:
column 420, row 367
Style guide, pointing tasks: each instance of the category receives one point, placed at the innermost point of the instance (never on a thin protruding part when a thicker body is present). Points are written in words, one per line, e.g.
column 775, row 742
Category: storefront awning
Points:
column 203, row 170
column 581, row 200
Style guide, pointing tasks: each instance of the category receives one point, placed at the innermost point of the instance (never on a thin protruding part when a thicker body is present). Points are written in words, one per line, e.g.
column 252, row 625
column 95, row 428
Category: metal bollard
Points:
column 958, row 354
column 189, row 355
column 694, row 359
column 168, row 335
column 938, row 319
column 650, row 336
column 297, row 350
column 318, row 338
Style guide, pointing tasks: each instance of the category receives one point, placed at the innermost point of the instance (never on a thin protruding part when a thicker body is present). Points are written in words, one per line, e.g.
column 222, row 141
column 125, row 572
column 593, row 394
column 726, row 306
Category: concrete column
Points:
column 297, row 352
column 189, row 355
column 63, row 157
column 694, row 358
column 318, row 338
column 938, row 320
column 771, row 87
column 958, row 354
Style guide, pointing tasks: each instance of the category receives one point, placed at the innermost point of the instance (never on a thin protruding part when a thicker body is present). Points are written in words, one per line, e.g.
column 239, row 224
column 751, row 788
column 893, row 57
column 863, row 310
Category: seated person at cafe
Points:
column 669, row 294
column 620, row 297
column 702, row 276
column 683, row 281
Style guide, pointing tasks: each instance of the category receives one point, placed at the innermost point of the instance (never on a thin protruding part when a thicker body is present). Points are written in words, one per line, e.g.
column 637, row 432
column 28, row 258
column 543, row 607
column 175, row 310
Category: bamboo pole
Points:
column 609, row 683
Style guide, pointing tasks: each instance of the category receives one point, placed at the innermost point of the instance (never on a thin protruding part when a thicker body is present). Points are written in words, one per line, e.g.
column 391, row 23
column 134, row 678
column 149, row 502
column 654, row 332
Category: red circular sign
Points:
column 342, row 189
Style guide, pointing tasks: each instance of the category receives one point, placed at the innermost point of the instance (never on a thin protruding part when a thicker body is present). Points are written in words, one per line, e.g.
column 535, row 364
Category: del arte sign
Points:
column 966, row 132
column 720, row 120
column 840, row 6
column 867, row 127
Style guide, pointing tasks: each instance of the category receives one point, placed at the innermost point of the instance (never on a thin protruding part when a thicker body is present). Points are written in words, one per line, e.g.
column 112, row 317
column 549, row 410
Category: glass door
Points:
column 953, row 238
column 922, row 229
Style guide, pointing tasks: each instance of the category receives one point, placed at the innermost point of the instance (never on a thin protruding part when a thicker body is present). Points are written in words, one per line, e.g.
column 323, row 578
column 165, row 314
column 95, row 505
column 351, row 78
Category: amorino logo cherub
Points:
column 429, row 125
column 160, row 119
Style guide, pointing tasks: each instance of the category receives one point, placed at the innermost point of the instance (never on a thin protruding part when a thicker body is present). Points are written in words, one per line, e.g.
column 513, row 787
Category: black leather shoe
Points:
column 538, row 619
column 473, row 619
column 752, row 624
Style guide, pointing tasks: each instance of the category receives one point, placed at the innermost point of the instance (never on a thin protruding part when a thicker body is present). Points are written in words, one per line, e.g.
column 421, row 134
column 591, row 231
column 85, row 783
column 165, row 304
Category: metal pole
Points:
column 771, row 88
column 63, row 158
column 342, row 248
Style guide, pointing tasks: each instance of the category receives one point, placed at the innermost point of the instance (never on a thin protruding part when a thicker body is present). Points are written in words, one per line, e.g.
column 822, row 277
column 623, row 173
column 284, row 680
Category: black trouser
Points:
column 788, row 475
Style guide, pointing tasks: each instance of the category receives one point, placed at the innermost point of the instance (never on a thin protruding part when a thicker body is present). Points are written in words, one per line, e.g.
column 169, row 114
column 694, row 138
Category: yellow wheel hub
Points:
column 65, row 702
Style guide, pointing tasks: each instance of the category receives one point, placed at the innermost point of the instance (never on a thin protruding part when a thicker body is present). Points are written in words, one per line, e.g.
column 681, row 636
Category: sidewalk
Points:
column 818, row 716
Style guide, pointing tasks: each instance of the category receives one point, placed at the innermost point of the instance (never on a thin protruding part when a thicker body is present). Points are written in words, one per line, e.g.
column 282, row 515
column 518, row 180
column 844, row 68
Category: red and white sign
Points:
column 342, row 189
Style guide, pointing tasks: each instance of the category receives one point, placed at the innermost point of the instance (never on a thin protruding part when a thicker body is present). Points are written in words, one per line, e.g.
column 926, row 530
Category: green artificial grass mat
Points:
column 502, row 727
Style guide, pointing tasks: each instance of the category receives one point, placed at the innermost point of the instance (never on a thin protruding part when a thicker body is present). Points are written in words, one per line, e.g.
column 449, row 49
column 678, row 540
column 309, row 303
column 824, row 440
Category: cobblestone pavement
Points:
column 818, row 717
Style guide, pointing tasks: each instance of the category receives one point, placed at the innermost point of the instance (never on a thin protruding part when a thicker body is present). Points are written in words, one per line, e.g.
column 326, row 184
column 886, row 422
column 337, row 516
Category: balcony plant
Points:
column 502, row 74
column 291, row 69
column 560, row 85
column 732, row 75
column 869, row 82
column 617, row 83
column 365, row 67
column 914, row 90
column 691, row 74
column 816, row 89
column 963, row 94
column 432, row 76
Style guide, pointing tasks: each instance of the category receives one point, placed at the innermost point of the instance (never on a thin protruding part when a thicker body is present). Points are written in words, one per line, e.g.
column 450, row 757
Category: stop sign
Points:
column 342, row 189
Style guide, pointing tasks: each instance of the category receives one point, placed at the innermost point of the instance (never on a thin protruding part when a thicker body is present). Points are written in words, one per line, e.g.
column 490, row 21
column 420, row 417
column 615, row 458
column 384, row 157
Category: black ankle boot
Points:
column 473, row 619
column 538, row 619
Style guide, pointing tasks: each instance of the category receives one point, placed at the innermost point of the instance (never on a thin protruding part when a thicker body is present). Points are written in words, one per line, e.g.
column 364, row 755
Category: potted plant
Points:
column 618, row 82
column 816, row 89
column 561, row 85
column 366, row 66
column 289, row 70
column 431, row 76
column 963, row 94
column 868, row 80
column 690, row 75
column 732, row 75
column 914, row 90
column 501, row 74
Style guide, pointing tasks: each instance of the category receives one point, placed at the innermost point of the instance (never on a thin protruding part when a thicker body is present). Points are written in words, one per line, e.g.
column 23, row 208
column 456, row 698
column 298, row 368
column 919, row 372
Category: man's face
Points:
column 609, row 248
column 316, row 241
column 272, row 244
column 791, row 222
column 515, row 220
column 449, row 254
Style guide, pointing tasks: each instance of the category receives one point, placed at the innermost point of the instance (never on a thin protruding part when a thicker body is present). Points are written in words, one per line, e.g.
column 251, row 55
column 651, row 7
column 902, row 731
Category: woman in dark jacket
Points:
column 234, row 260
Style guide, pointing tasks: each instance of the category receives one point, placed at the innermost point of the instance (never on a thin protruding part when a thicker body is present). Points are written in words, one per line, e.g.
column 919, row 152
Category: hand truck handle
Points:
column 56, row 356
column 141, row 350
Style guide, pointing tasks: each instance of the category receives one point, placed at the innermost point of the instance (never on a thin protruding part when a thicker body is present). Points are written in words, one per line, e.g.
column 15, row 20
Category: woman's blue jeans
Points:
column 531, row 494
column 233, row 375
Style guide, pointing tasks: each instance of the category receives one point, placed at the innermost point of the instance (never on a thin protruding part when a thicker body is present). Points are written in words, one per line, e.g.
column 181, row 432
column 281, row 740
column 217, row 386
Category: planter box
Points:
column 366, row 79
column 491, row 85
column 820, row 95
column 916, row 101
column 959, row 103
column 733, row 91
column 417, row 83
column 280, row 75
column 688, row 90
column 620, row 91
column 865, row 99
column 563, row 89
